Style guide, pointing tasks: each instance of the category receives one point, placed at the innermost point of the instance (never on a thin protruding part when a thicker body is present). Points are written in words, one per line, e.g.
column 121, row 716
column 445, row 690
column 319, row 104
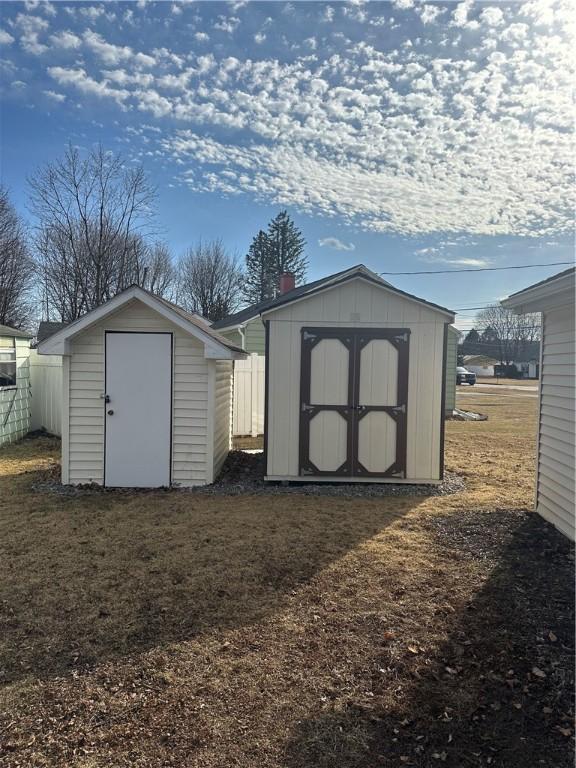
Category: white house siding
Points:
column 15, row 403
column 556, row 498
column 83, row 436
column 222, row 412
column 356, row 304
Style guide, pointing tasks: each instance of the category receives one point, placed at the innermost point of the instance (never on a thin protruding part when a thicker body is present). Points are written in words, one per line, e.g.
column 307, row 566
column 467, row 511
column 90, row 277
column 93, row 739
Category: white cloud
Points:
column 59, row 97
column 259, row 38
column 492, row 16
column 65, row 39
column 454, row 137
column 5, row 37
column 85, row 84
column 227, row 24
column 338, row 245
column 31, row 27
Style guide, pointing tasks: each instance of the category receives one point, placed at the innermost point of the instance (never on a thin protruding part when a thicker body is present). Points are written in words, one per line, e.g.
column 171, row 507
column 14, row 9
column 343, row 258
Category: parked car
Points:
column 464, row 376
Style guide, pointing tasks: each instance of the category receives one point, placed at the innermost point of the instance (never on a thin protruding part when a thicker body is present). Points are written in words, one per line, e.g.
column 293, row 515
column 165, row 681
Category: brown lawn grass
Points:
column 173, row 629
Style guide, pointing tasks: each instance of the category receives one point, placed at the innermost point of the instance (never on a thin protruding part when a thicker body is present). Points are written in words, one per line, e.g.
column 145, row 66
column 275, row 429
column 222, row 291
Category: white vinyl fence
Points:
column 249, row 396
column 46, row 389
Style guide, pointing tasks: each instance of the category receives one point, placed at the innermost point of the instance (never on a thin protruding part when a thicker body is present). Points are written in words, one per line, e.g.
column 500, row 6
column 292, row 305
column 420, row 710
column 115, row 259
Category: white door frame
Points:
column 105, row 403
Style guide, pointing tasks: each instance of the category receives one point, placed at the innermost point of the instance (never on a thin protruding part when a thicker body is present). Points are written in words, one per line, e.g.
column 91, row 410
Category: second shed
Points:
column 355, row 383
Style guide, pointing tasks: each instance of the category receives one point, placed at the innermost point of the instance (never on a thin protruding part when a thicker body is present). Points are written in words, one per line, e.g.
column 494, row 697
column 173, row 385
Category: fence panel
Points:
column 249, row 396
column 46, row 390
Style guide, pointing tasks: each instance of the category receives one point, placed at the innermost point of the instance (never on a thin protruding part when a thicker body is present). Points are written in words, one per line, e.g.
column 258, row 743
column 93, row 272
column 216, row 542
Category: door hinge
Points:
column 306, row 408
column 399, row 408
column 401, row 337
column 307, row 336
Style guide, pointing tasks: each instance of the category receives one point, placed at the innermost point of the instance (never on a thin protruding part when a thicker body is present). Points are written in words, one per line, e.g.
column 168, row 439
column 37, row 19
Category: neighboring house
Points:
column 480, row 365
column 355, row 385
column 147, row 394
column 554, row 298
column 526, row 359
column 14, row 384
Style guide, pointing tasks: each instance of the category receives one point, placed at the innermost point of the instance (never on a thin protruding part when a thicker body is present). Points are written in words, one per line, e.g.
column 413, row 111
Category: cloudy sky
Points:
column 405, row 135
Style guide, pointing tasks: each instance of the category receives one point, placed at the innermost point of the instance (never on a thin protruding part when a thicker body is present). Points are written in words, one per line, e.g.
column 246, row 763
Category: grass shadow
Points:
column 496, row 692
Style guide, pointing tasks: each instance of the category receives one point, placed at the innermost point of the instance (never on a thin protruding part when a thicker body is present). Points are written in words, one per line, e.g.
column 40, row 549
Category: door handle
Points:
column 110, row 412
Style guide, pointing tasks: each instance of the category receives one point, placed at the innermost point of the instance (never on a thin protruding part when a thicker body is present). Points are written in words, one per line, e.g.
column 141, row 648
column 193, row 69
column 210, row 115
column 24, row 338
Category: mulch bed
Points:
column 243, row 473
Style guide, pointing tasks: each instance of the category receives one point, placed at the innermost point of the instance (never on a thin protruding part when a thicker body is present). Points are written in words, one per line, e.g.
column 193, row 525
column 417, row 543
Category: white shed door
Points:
column 138, row 409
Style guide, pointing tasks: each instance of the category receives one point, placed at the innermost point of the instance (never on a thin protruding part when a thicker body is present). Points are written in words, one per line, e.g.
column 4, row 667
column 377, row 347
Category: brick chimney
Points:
column 287, row 282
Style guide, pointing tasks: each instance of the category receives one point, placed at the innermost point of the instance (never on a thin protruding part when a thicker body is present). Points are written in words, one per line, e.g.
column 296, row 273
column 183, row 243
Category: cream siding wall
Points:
column 356, row 304
column 222, row 412
column 83, row 437
column 15, row 403
column 555, row 495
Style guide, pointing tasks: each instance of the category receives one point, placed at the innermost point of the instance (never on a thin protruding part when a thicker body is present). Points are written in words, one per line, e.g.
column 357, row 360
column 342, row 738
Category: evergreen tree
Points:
column 472, row 337
column 287, row 248
column 259, row 280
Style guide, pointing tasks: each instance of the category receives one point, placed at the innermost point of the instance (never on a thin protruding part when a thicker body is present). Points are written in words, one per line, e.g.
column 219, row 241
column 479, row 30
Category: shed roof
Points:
column 47, row 328
column 302, row 291
column 216, row 346
column 557, row 290
column 7, row 330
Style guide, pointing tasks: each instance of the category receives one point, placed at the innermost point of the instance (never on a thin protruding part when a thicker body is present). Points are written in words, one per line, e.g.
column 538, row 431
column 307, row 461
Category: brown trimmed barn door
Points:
column 354, row 401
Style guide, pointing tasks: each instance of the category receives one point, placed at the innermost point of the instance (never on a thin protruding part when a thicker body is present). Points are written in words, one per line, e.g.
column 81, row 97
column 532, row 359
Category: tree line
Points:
column 501, row 334
column 95, row 233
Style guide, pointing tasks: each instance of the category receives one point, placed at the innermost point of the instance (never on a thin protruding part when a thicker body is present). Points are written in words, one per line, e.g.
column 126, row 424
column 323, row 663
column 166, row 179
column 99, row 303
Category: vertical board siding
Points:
column 248, row 408
column 357, row 304
column 15, row 402
column 86, row 407
column 46, row 392
column 222, row 412
column 450, row 372
column 555, row 493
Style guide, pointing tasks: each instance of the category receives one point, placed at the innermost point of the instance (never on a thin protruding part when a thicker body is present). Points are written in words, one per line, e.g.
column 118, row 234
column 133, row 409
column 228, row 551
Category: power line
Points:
column 478, row 269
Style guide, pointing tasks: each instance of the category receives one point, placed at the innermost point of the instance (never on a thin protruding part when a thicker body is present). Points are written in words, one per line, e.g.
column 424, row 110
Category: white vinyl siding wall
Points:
column 556, row 497
column 222, row 412
column 356, row 304
column 83, row 436
column 15, row 402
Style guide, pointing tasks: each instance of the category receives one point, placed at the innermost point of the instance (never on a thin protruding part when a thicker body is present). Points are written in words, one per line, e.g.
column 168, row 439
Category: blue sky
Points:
column 405, row 135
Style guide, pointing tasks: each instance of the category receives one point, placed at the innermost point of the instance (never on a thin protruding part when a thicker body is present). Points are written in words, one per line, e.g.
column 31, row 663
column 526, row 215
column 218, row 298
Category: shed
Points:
column 554, row 298
column 14, row 384
column 355, row 383
column 147, row 394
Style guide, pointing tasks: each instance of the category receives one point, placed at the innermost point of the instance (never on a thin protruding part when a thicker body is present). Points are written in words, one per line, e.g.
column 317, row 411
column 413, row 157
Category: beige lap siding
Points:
column 222, row 412
column 85, row 444
column 556, row 496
